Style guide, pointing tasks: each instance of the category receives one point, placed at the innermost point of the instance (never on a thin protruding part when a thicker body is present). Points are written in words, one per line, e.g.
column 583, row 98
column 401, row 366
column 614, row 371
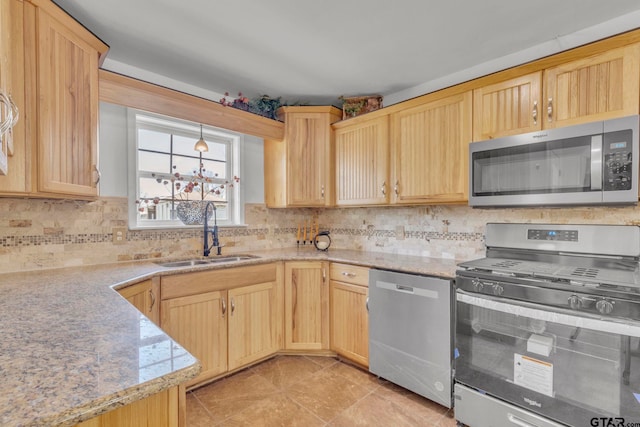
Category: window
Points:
column 167, row 166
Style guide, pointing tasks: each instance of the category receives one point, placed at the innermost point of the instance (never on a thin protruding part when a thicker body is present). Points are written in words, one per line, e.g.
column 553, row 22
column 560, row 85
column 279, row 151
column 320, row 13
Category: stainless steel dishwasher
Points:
column 410, row 332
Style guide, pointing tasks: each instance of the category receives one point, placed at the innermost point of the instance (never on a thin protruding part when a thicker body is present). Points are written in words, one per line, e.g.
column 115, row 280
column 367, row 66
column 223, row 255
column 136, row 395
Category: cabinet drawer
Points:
column 349, row 273
column 180, row 285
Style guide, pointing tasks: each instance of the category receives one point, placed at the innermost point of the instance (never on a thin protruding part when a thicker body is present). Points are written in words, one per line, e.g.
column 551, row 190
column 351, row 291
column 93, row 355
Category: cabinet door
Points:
column 199, row 324
column 308, row 136
column 67, row 85
column 253, row 323
column 306, row 301
column 595, row 88
column 350, row 321
column 430, row 151
column 508, row 108
column 362, row 163
column 157, row 410
column 144, row 296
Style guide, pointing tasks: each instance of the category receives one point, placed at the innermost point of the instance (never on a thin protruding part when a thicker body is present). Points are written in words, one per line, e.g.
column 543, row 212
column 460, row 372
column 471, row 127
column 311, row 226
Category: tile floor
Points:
column 310, row 391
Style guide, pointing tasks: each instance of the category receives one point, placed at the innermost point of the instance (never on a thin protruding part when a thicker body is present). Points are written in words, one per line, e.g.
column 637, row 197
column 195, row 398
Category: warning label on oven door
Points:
column 534, row 374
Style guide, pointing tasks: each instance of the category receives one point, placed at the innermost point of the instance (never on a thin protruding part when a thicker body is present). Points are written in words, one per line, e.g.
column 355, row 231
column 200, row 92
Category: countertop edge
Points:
column 124, row 397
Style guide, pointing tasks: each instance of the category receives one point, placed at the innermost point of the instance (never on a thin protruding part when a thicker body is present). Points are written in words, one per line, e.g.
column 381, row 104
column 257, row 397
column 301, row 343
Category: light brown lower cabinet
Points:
column 306, row 305
column 157, row 410
column 199, row 324
column 349, row 316
column 145, row 296
column 225, row 318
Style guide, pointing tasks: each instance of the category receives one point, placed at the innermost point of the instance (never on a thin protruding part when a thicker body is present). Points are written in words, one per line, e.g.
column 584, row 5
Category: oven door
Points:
column 562, row 365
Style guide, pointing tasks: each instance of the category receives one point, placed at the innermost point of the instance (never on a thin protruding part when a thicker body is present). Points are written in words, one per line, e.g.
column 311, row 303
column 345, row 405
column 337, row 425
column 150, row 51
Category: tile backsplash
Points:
column 38, row 233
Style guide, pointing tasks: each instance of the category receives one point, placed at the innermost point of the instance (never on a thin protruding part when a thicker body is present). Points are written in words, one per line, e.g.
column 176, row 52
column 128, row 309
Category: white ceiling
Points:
column 315, row 51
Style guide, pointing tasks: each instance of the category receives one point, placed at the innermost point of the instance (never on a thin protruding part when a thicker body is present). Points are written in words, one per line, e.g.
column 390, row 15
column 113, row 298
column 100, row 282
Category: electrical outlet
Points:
column 399, row 232
column 119, row 235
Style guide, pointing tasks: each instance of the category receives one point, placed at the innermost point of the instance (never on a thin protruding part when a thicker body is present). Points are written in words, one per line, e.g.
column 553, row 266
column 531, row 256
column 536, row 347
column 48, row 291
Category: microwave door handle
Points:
column 596, row 162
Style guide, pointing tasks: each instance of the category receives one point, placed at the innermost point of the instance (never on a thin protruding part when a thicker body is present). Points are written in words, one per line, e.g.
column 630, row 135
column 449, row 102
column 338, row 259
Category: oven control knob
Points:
column 604, row 306
column 477, row 285
column 575, row 302
column 498, row 289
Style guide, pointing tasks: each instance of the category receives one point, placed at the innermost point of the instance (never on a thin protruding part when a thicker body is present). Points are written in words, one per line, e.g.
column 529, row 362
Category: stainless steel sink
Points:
column 186, row 263
column 205, row 261
column 231, row 258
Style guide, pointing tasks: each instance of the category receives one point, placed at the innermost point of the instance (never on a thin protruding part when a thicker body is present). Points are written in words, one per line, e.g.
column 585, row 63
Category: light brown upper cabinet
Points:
column 58, row 64
column 362, row 162
column 308, row 159
column 429, row 151
column 599, row 87
column 13, row 148
column 508, row 108
column 67, row 86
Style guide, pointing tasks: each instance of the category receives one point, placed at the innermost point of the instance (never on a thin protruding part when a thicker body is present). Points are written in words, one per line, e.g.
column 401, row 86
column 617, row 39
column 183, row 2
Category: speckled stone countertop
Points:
column 73, row 348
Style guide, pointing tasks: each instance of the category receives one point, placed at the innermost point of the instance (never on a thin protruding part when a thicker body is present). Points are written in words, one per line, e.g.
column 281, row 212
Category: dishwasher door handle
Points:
column 405, row 289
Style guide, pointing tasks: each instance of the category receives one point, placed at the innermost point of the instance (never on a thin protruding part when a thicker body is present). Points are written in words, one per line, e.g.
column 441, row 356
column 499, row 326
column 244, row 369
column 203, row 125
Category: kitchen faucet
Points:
column 214, row 231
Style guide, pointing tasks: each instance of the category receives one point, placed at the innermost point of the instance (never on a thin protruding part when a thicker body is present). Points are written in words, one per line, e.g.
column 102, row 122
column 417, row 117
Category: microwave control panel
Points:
column 618, row 161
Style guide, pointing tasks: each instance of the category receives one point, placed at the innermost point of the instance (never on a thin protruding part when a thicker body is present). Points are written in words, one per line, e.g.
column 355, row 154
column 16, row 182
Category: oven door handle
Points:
column 551, row 314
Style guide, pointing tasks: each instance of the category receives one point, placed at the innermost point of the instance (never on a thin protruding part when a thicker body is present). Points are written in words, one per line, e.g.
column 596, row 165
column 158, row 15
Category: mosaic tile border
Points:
column 132, row 236
column 151, row 235
column 420, row 235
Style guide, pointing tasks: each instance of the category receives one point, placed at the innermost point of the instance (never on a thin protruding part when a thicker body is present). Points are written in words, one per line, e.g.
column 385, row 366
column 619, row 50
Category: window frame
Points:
column 183, row 128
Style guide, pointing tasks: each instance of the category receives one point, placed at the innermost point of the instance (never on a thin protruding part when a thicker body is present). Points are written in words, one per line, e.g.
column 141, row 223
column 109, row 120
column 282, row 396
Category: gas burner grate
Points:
column 585, row 272
column 506, row 264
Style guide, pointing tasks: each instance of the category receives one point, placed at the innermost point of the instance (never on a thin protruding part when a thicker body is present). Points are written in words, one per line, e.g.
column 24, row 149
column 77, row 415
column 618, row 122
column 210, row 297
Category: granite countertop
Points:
column 73, row 348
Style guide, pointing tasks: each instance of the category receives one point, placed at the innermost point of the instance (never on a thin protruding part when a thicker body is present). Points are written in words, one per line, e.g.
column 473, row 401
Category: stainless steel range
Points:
column 548, row 327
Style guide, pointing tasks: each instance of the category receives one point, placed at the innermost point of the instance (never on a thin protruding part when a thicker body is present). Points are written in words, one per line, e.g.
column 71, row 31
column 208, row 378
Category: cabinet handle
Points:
column 224, row 307
column 294, row 297
column 346, row 273
column 153, row 300
column 384, row 188
column 395, row 187
column 534, row 113
column 8, row 119
column 15, row 113
column 98, row 174
column 233, row 306
column 322, row 191
column 366, row 304
column 550, row 109
column 324, row 275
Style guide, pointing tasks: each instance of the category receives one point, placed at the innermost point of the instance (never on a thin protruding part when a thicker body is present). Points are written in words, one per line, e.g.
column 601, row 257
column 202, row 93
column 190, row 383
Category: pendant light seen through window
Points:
column 201, row 145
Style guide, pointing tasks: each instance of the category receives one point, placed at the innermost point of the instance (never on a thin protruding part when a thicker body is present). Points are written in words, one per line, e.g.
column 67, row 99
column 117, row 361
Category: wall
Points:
column 38, row 234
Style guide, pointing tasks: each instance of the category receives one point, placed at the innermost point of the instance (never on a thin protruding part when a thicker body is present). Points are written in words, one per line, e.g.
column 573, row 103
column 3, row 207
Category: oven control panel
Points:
column 558, row 235
column 544, row 293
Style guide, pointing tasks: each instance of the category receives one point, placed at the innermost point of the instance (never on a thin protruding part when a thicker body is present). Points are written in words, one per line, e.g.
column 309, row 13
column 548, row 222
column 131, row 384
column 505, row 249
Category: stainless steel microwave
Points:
column 588, row 164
